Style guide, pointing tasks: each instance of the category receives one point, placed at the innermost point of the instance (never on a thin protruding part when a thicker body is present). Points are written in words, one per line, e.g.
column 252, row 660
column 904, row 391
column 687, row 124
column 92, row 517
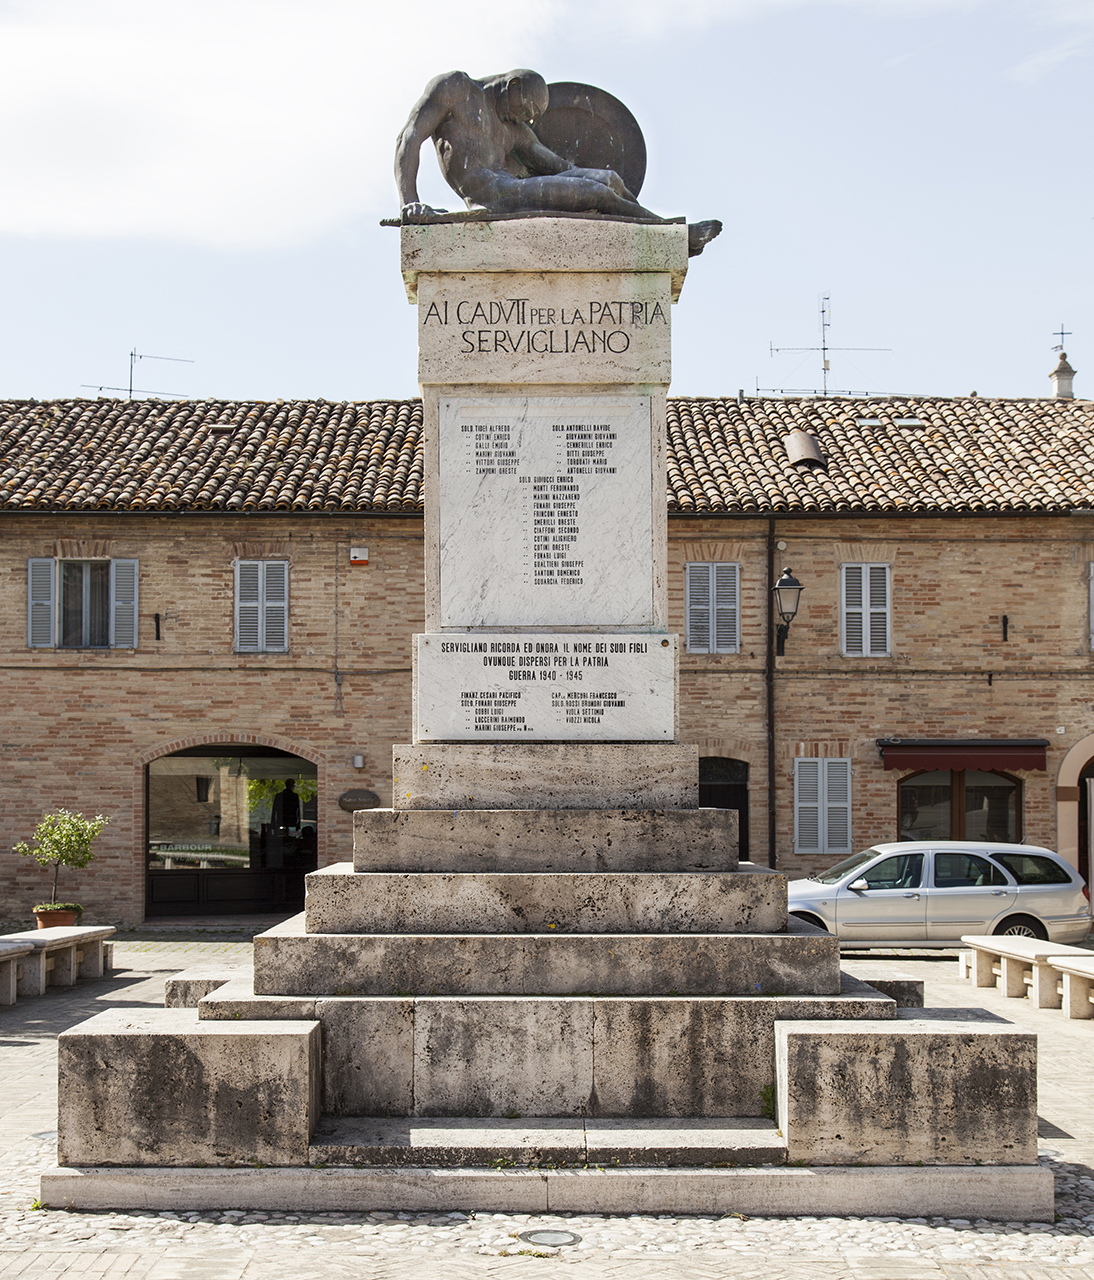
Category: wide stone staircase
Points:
column 465, row 981
column 490, row 1003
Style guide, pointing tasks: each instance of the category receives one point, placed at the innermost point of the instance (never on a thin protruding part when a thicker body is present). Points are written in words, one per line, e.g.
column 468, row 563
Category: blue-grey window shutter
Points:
column 124, row 576
column 248, row 605
column 275, row 606
column 697, row 607
column 41, row 580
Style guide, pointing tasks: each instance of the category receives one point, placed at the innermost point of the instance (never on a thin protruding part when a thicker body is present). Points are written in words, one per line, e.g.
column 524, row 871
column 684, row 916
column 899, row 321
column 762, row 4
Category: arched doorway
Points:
column 231, row 828
column 1086, row 790
column 723, row 784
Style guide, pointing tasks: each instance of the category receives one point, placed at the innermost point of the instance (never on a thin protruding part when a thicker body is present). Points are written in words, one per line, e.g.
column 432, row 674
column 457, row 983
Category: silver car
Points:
column 929, row 893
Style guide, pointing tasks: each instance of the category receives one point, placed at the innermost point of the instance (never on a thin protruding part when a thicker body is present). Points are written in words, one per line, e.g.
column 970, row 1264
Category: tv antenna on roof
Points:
column 1061, row 333
column 824, row 348
column 134, row 356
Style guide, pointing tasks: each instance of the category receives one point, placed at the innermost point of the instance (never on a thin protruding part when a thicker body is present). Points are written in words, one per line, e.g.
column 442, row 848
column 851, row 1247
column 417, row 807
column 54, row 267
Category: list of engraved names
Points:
column 556, row 687
column 542, row 503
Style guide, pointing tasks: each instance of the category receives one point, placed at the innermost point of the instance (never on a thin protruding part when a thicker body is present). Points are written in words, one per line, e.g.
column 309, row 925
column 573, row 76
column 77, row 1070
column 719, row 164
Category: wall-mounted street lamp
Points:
column 787, row 592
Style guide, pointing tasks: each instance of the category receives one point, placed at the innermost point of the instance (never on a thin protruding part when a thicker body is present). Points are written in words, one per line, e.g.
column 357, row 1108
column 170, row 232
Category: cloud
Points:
column 1076, row 14
column 256, row 124
column 225, row 123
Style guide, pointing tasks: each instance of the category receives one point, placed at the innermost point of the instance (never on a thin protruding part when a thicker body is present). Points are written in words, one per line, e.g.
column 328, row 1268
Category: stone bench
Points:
column 10, row 955
column 58, row 956
column 1078, row 979
column 1018, row 963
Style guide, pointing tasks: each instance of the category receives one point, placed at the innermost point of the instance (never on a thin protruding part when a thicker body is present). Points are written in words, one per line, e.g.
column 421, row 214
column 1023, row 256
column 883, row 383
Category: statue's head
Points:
column 522, row 96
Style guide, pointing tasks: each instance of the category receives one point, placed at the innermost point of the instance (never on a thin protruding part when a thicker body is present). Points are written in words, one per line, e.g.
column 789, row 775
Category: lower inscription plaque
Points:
column 482, row 687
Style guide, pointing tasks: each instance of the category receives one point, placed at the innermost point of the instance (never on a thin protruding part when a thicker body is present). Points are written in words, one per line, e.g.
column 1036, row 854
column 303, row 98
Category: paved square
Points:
column 276, row 1246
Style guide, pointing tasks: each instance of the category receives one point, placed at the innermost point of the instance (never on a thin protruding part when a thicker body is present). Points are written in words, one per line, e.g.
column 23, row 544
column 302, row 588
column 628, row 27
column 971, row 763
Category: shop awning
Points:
column 963, row 753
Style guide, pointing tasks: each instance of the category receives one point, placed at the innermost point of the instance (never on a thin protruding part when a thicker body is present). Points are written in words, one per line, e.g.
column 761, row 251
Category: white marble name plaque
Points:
column 545, row 512
column 521, row 327
column 479, row 687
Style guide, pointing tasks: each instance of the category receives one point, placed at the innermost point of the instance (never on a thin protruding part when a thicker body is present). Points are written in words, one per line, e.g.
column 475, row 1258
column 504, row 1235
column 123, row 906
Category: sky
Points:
column 204, row 180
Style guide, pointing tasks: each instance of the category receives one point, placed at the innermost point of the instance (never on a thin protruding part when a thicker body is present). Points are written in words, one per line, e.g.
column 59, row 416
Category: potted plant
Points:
column 63, row 839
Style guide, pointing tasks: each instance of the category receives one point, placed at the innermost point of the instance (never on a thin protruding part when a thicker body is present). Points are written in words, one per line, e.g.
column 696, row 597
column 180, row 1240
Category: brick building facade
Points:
column 945, row 549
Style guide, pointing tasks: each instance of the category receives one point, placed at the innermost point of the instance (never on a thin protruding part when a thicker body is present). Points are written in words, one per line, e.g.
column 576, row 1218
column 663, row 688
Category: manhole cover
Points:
column 553, row 1238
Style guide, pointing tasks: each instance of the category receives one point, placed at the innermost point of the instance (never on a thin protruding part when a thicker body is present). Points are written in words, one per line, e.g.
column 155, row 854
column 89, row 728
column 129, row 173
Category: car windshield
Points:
column 848, row 864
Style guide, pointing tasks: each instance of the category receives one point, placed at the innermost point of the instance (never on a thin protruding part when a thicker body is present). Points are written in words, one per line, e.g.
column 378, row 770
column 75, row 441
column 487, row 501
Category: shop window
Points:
column 960, row 804
column 231, row 828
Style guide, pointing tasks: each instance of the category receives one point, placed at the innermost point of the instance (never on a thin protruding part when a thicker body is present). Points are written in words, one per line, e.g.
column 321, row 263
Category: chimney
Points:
column 1061, row 379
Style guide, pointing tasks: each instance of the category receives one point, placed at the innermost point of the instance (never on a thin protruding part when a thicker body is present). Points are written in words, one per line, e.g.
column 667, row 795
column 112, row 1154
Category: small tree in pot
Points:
column 63, row 839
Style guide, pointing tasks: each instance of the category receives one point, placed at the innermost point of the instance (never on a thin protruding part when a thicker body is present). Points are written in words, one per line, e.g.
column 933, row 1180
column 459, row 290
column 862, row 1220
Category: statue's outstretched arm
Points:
column 426, row 117
column 539, row 159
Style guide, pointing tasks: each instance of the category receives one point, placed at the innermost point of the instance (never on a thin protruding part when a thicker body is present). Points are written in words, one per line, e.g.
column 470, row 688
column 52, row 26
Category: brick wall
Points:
column 952, row 581
column 78, row 727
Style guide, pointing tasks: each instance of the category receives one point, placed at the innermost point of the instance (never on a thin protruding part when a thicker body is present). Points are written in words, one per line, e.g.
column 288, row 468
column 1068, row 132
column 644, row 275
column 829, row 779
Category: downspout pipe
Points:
column 769, row 689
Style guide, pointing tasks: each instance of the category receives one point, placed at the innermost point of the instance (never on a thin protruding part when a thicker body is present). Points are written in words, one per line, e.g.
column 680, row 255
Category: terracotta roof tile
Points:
column 959, row 456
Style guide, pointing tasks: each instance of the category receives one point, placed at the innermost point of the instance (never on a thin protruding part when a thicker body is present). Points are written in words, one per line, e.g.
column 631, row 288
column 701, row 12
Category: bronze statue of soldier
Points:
column 490, row 154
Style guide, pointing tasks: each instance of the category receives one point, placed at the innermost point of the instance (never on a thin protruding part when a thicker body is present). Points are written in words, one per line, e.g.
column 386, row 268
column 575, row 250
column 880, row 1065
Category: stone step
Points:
column 341, row 900
column 1014, row 1193
column 587, row 840
column 558, row 775
column 579, row 1056
column 291, row 962
column 544, row 1142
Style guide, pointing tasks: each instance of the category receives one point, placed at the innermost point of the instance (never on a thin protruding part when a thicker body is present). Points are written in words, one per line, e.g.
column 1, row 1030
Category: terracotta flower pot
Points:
column 51, row 919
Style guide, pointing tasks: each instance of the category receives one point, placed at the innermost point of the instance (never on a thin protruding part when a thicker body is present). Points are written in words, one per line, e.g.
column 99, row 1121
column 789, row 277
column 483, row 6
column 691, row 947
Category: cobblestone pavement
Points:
column 276, row 1246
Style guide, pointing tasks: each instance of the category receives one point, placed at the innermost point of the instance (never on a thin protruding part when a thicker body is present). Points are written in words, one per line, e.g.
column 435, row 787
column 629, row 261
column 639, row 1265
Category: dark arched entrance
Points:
column 1086, row 781
column 723, row 784
column 231, row 828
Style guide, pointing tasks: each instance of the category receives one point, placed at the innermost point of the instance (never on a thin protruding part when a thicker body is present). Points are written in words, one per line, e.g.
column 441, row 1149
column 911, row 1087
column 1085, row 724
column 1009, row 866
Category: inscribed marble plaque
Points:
column 521, row 327
column 480, row 687
column 545, row 512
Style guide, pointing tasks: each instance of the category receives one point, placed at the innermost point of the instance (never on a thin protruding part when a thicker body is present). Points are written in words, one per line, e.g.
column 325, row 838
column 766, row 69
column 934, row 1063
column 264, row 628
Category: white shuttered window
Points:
column 82, row 603
column 822, row 806
column 865, row 610
column 712, row 608
column 262, row 606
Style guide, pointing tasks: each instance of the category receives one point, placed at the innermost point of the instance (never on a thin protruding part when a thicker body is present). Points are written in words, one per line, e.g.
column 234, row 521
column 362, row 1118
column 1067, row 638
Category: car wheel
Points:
column 806, row 918
column 1021, row 927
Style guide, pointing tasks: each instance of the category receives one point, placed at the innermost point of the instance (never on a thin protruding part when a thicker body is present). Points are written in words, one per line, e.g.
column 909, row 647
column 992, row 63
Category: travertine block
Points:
column 528, row 327
column 340, row 900
column 704, row 1057
column 495, row 1057
column 1002, row 1193
column 368, row 1048
column 297, row 964
column 542, row 840
column 639, row 1056
column 546, row 775
column 548, row 244
column 161, row 1088
column 917, row 1089
column 367, row 1044
column 184, row 990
